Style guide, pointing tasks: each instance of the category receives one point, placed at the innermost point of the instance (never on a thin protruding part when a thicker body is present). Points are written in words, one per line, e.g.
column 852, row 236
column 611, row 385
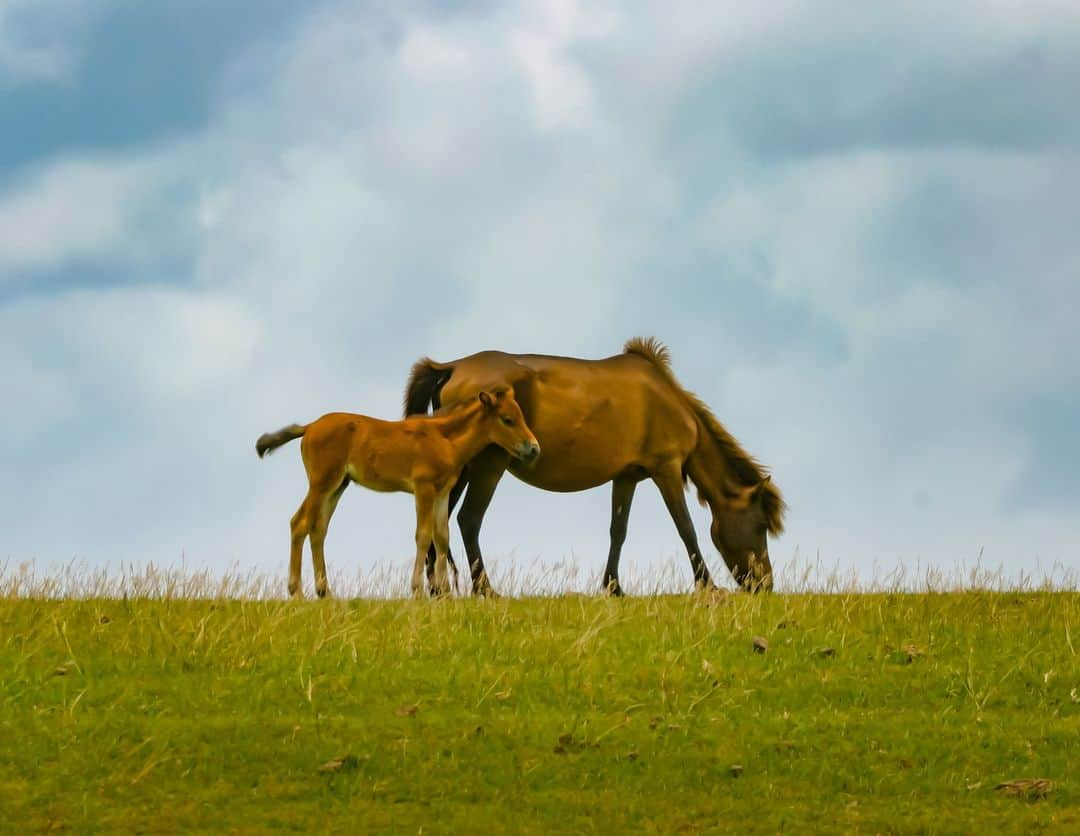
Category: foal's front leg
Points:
column 441, row 536
column 425, row 524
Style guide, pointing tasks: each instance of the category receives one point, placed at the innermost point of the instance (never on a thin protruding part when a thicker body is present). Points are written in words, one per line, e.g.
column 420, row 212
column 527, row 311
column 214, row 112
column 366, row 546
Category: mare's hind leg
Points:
column 485, row 471
column 670, row 482
column 300, row 527
column 622, row 495
column 455, row 495
column 323, row 512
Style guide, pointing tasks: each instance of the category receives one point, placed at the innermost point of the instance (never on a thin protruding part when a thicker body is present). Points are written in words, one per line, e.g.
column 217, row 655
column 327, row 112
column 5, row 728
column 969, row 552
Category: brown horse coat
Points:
column 423, row 456
column 621, row 419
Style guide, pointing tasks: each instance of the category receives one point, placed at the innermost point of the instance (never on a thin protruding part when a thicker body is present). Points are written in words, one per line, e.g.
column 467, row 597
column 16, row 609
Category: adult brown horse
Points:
column 621, row 420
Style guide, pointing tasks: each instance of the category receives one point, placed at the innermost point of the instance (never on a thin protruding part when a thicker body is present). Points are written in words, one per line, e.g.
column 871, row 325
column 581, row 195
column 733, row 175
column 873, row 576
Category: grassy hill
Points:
column 867, row 712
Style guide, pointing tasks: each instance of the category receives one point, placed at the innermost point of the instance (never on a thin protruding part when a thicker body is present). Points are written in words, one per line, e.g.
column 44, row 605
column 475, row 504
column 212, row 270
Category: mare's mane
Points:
column 743, row 467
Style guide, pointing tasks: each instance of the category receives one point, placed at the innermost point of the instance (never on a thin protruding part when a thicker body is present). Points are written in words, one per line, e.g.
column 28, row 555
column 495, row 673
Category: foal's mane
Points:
column 459, row 408
column 744, row 467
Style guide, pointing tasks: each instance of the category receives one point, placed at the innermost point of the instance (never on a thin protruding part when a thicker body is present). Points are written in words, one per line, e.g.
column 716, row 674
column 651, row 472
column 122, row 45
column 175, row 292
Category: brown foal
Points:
column 421, row 455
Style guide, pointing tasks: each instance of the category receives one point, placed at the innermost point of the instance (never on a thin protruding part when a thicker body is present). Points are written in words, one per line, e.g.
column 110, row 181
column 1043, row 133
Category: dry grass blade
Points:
column 912, row 652
column 407, row 710
column 760, row 644
column 342, row 764
column 1032, row 788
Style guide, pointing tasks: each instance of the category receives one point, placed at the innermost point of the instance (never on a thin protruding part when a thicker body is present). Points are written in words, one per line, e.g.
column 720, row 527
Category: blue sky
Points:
column 854, row 226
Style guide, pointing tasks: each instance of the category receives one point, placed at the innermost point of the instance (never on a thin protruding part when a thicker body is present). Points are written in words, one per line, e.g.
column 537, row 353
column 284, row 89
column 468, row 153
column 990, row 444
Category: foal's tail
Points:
column 426, row 380
column 269, row 442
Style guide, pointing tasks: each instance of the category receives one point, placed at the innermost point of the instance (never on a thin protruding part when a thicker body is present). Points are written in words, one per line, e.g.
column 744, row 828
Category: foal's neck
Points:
column 463, row 428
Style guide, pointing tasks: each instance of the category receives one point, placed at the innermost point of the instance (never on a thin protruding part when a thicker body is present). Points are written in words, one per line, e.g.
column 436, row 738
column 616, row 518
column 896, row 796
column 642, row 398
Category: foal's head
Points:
column 508, row 427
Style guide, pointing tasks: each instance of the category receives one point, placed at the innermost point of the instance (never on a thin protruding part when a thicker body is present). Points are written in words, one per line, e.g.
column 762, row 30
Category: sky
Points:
column 854, row 225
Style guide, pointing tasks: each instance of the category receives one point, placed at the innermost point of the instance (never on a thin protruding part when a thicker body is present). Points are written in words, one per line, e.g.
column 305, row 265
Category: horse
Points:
column 423, row 456
column 621, row 419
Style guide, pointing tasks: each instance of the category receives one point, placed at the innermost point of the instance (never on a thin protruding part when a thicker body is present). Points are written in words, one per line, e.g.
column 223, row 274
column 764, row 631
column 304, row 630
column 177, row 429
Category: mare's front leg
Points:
column 673, row 490
column 425, row 525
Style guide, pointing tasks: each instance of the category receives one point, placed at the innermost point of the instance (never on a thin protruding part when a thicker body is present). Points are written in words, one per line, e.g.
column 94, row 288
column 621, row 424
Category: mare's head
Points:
column 508, row 427
column 740, row 531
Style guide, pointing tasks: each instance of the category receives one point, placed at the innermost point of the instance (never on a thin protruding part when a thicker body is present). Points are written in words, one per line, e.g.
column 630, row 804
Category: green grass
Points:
column 568, row 714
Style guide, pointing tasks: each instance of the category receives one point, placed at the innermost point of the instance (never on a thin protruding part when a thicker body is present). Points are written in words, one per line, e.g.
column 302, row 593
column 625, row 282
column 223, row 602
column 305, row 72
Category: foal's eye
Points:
column 508, row 421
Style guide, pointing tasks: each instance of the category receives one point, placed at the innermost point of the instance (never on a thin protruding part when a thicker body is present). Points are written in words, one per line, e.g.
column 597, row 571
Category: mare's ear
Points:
column 759, row 488
column 487, row 399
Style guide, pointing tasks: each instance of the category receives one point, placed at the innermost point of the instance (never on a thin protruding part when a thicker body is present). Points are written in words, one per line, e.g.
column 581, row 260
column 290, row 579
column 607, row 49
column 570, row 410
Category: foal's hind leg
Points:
column 323, row 512
column 300, row 527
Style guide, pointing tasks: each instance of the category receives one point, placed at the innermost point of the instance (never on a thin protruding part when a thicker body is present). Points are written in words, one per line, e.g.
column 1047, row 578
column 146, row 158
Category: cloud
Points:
column 103, row 210
column 37, row 39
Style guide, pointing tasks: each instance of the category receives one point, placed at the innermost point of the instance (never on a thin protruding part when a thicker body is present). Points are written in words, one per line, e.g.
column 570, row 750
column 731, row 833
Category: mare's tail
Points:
column 426, row 380
column 269, row 442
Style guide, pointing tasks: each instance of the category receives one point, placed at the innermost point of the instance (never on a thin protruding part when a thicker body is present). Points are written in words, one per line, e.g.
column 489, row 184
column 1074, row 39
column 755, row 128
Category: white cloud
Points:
column 828, row 231
column 50, row 53
column 85, row 209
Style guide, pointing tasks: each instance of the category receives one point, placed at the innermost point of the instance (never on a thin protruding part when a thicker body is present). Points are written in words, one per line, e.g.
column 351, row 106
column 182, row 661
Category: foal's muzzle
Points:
column 528, row 452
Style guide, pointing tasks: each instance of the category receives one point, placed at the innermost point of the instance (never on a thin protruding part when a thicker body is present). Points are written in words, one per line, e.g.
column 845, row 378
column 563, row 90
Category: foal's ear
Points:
column 487, row 399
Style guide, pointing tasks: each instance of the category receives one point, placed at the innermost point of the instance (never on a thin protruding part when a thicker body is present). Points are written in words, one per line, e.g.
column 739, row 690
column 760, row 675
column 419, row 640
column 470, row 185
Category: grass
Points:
column 168, row 712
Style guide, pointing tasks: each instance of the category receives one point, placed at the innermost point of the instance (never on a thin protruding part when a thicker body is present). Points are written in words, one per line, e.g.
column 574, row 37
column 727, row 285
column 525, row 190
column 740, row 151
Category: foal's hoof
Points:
column 322, row 593
column 440, row 588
